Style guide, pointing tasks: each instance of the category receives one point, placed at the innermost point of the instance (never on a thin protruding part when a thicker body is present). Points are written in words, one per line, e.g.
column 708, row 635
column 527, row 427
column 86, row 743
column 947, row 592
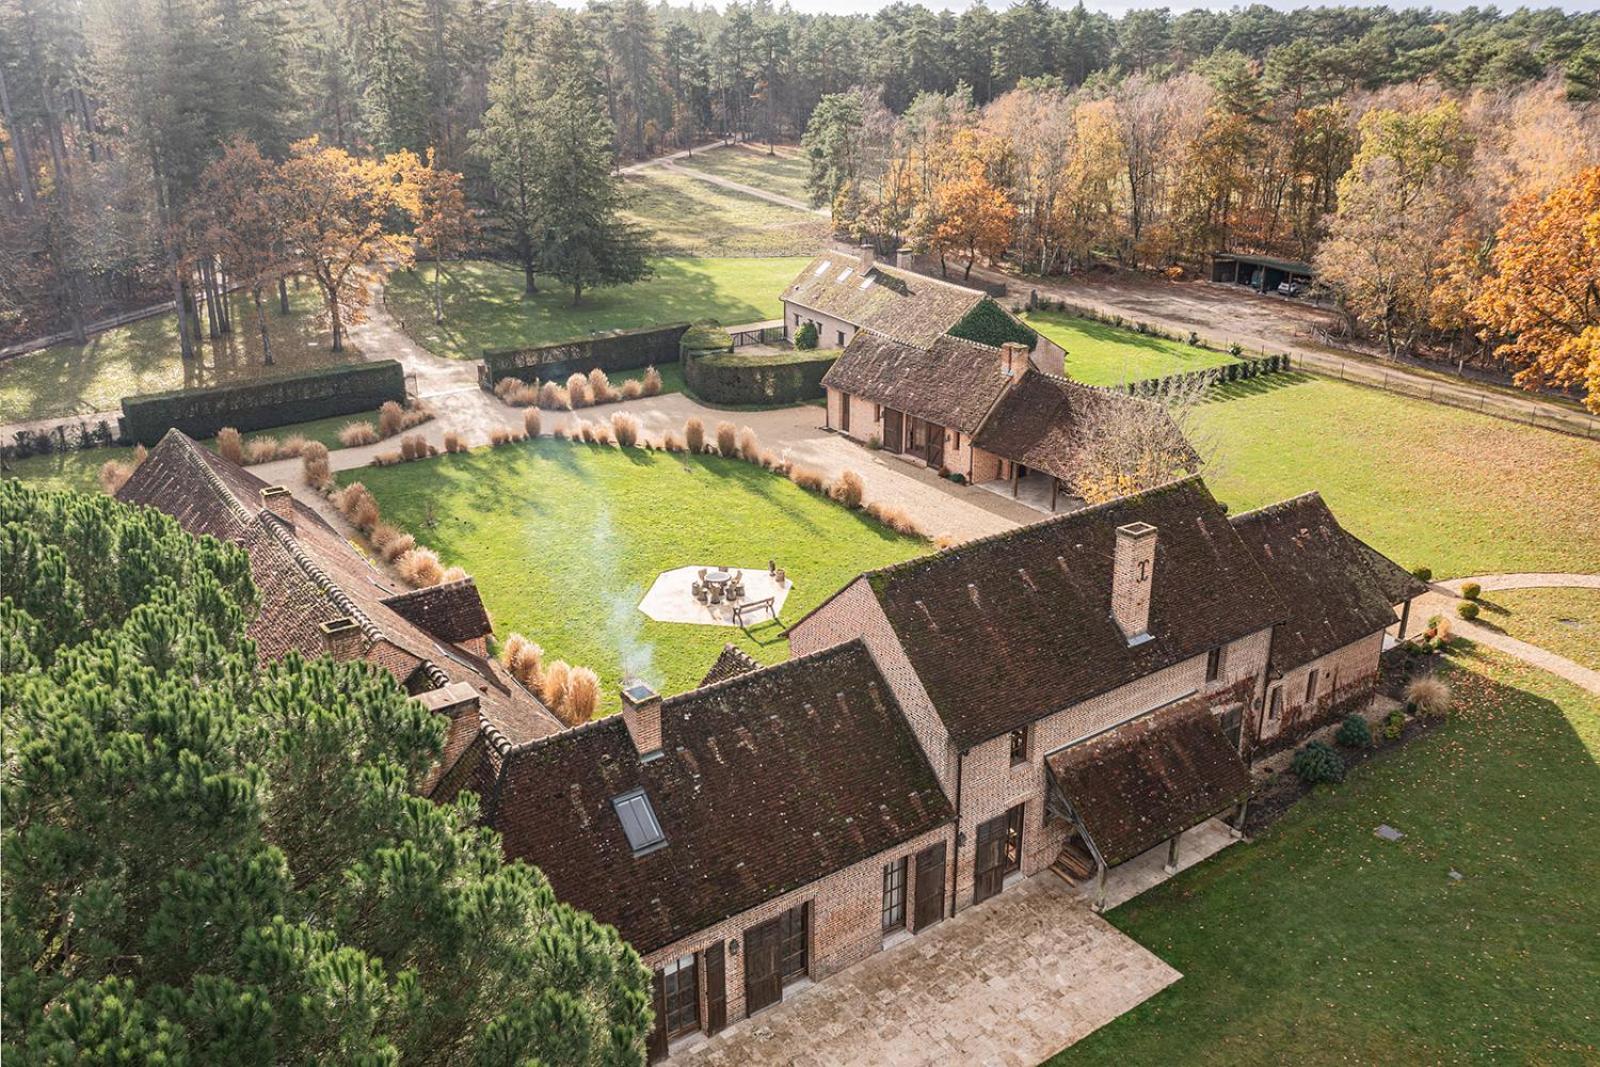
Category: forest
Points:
column 1388, row 146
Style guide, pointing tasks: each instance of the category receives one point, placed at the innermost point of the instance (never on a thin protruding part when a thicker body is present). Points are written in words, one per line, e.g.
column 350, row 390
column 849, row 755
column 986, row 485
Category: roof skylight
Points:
column 639, row 822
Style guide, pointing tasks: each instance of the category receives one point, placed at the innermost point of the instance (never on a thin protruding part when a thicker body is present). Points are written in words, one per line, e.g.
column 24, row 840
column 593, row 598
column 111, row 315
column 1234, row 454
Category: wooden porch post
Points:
column 1100, row 889
column 1405, row 617
column 1236, row 831
column 1016, row 474
column 1172, row 853
column 1055, row 487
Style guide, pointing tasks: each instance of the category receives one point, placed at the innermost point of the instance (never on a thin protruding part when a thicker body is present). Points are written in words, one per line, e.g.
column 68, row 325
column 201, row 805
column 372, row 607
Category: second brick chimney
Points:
column 869, row 256
column 1013, row 359
column 1132, row 570
column 641, row 713
column 279, row 501
column 344, row 639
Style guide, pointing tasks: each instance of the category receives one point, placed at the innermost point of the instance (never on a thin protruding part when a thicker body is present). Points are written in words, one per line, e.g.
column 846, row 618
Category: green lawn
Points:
column 691, row 217
column 1099, row 354
column 1320, row 943
column 784, row 173
column 565, row 539
column 1423, row 483
column 144, row 357
column 1565, row 621
column 485, row 307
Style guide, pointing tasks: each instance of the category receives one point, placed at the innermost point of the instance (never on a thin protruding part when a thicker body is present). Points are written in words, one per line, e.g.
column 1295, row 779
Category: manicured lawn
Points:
column 485, row 307
column 1426, row 484
column 144, row 357
column 784, row 173
column 1320, row 943
column 564, row 540
column 691, row 217
column 1565, row 621
column 1098, row 354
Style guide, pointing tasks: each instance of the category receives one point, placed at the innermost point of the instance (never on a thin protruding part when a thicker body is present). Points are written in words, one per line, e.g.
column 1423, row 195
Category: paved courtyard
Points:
column 1012, row 981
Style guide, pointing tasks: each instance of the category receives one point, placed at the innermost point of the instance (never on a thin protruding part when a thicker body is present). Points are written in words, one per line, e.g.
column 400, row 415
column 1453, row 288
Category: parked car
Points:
column 1291, row 288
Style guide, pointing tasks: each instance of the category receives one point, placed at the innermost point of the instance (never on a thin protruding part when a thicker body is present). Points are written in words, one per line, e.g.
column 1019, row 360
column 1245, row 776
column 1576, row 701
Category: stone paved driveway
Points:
column 1012, row 981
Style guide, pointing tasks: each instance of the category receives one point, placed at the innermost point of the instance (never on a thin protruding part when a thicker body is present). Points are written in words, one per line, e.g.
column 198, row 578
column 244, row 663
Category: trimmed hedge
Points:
column 265, row 403
column 752, row 380
column 988, row 324
column 614, row 351
column 1228, row 372
column 697, row 340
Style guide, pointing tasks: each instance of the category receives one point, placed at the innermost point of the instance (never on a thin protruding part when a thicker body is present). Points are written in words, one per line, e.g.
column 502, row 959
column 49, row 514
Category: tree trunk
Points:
column 261, row 321
column 208, row 289
column 338, row 332
column 283, row 295
column 528, row 288
column 19, row 145
column 438, row 295
column 180, row 298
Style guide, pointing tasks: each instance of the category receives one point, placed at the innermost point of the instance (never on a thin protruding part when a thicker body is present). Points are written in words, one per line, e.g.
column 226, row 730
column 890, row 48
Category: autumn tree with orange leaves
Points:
column 967, row 213
column 1543, row 298
column 444, row 222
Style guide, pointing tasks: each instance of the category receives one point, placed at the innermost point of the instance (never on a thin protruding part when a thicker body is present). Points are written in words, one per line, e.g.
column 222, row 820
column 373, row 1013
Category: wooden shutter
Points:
column 930, row 886
column 716, row 989
column 657, row 1047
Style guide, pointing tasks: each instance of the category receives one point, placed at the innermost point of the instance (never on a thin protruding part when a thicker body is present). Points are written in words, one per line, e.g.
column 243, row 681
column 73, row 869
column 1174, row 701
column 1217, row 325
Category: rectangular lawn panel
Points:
column 1565, row 621
column 784, row 173
column 1320, row 943
column 564, row 539
column 485, row 306
column 145, row 357
column 1425, row 484
column 1099, row 354
column 693, row 217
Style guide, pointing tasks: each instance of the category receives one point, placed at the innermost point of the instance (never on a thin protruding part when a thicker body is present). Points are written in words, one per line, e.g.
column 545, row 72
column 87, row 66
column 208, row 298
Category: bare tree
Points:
column 1133, row 443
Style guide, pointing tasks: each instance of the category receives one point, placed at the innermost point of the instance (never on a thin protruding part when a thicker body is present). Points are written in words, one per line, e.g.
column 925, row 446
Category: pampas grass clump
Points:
column 260, row 450
column 602, row 434
column 391, row 419
column 356, row 434
column 632, row 390
column 560, row 432
column 672, row 441
column 627, row 429
column 387, row 459
column 398, row 546
column 727, row 439
column 420, row 567
column 230, row 445
column 1429, row 695
column 600, row 387
column 531, row 422
column 579, row 391
column 522, row 396
column 582, row 698
column 554, row 398
column 652, row 381
column 553, row 688
column 896, row 518
column 314, row 464
column 114, row 474
column 416, row 414
column 749, row 446
column 808, row 478
column 453, row 574
column 453, row 442
column 848, row 489
column 694, row 435
column 292, row 446
column 382, row 534
column 524, row 659
column 503, row 387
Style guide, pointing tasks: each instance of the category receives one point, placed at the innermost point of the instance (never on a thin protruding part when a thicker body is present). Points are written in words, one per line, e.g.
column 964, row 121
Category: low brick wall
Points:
column 618, row 350
column 264, row 403
column 747, row 380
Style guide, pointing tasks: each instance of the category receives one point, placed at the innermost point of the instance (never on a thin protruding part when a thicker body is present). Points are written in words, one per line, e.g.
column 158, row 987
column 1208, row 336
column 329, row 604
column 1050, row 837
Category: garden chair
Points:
column 777, row 576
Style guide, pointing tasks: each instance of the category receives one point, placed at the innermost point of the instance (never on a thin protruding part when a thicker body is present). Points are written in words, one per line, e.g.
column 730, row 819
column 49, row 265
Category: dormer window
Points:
column 639, row 822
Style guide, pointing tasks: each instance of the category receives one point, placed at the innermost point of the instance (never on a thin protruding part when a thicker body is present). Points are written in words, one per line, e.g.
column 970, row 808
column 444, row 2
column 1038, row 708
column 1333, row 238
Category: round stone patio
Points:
column 670, row 598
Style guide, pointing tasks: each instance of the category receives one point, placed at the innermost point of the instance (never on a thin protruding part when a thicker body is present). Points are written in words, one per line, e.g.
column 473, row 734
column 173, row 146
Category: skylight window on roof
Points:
column 822, row 268
column 866, row 282
column 639, row 822
column 844, row 275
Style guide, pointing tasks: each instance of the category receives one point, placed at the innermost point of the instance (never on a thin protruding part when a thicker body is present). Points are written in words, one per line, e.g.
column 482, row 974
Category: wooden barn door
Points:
column 935, row 452
column 893, row 430
column 763, row 979
column 716, row 989
column 930, row 886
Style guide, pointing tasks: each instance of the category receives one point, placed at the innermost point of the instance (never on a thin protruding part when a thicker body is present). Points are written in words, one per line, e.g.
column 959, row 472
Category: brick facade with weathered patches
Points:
column 1345, row 677
column 845, row 921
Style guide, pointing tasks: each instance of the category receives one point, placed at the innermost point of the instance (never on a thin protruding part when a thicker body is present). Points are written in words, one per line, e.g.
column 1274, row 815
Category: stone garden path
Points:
column 1443, row 597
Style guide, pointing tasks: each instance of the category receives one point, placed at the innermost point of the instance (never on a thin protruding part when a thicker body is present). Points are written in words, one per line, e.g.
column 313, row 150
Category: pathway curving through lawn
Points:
column 1443, row 597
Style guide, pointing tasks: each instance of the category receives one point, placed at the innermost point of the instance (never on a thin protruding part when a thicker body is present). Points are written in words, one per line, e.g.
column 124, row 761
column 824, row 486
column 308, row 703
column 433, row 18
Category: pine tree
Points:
column 508, row 142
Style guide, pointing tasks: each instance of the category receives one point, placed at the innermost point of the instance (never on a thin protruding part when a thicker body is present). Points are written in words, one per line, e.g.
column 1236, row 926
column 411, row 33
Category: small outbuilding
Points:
column 1262, row 273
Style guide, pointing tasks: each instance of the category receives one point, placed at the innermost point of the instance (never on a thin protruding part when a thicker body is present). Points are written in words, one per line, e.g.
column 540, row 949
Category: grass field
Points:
column 691, row 217
column 485, row 307
column 1098, row 354
column 565, row 539
column 784, row 173
column 1565, row 621
column 144, row 357
column 1320, row 943
column 1423, row 483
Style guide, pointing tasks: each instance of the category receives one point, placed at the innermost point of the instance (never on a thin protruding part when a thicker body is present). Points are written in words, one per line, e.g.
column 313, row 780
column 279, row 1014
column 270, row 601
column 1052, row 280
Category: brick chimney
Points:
column 641, row 713
column 452, row 700
column 279, row 501
column 869, row 256
column 344, row 639
column 1132, row 569
column 1013, row 359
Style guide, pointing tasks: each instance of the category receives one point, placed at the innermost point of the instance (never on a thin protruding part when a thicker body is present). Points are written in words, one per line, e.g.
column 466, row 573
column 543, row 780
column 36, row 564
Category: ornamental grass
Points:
column 230, row 445
column 356, row 434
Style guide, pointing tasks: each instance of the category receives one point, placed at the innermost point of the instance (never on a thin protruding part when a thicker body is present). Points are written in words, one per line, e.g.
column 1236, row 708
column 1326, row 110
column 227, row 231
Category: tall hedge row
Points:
column 736, row 380
column 264, row 403
column 618, row 350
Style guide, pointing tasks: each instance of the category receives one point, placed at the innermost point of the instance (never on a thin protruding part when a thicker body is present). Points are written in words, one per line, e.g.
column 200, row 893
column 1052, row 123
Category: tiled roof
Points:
column 1010, row 628
column 767, row 782
column 452, row 611
column 1048, row 424
column 309, row 574
column 949, row 381
column 903, row 305
column 1337, row 589
column 731, row 662
column 1146, row 780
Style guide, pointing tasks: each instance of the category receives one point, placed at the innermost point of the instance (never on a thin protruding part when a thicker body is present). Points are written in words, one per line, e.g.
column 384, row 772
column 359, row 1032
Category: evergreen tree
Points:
column 508, row 142
column 213, row 861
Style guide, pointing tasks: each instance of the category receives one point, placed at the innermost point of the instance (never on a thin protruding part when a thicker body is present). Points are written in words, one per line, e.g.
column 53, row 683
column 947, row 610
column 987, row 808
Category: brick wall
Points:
column 866, row 418
column 828, row 327
column 845, row 926
column 1344, row 676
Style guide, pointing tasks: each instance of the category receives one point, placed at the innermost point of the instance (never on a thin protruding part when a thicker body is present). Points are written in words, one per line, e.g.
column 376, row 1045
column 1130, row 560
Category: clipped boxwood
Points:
column 1467, row 609
column 735, row 380
column 1317, row 763
column 1354, row 732
column 1471, row 591
column 705, row 337
column 613, row 351
column 988, row 324
column 265, row 403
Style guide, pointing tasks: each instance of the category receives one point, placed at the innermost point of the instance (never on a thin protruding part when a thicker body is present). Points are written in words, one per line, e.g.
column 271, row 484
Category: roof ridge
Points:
column 468, row 580
column 763, row 669
column 191, row 451
column 1280, row 504
column 1048, row 520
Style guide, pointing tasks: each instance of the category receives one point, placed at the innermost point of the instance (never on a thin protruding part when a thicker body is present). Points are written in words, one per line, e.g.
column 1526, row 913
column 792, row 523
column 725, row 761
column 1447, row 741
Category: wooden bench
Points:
column 740, row 610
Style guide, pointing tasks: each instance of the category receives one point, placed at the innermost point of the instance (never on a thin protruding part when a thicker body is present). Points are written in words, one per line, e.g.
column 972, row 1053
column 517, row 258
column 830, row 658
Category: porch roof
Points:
column 1144, row 781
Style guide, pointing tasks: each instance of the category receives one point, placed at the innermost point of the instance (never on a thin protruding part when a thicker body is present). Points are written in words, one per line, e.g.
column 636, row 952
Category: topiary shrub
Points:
column 1354, row 732
column 1317, row 763
column 805, row 338
column 1467, row 609
column 1422, row 574
column 1471, row 591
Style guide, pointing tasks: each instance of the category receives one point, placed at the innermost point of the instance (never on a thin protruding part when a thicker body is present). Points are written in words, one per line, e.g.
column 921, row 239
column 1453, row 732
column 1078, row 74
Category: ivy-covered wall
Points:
column 990, row 324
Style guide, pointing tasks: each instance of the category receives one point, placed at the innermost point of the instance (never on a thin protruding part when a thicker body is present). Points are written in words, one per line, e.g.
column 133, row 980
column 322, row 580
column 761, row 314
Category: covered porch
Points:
column 1037, row 489
column 1136, row 794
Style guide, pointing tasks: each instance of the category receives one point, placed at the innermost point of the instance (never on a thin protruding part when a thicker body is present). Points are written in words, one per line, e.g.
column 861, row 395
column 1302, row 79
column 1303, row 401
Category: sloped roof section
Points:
column 1049, row 424
column 768, row 781
column 1337, row 590
column 908, row 307
column 1146, row 780
column 1010, row 628
column 309, row 574
column 950, row 381
column 731, row 662
column 452, row 611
